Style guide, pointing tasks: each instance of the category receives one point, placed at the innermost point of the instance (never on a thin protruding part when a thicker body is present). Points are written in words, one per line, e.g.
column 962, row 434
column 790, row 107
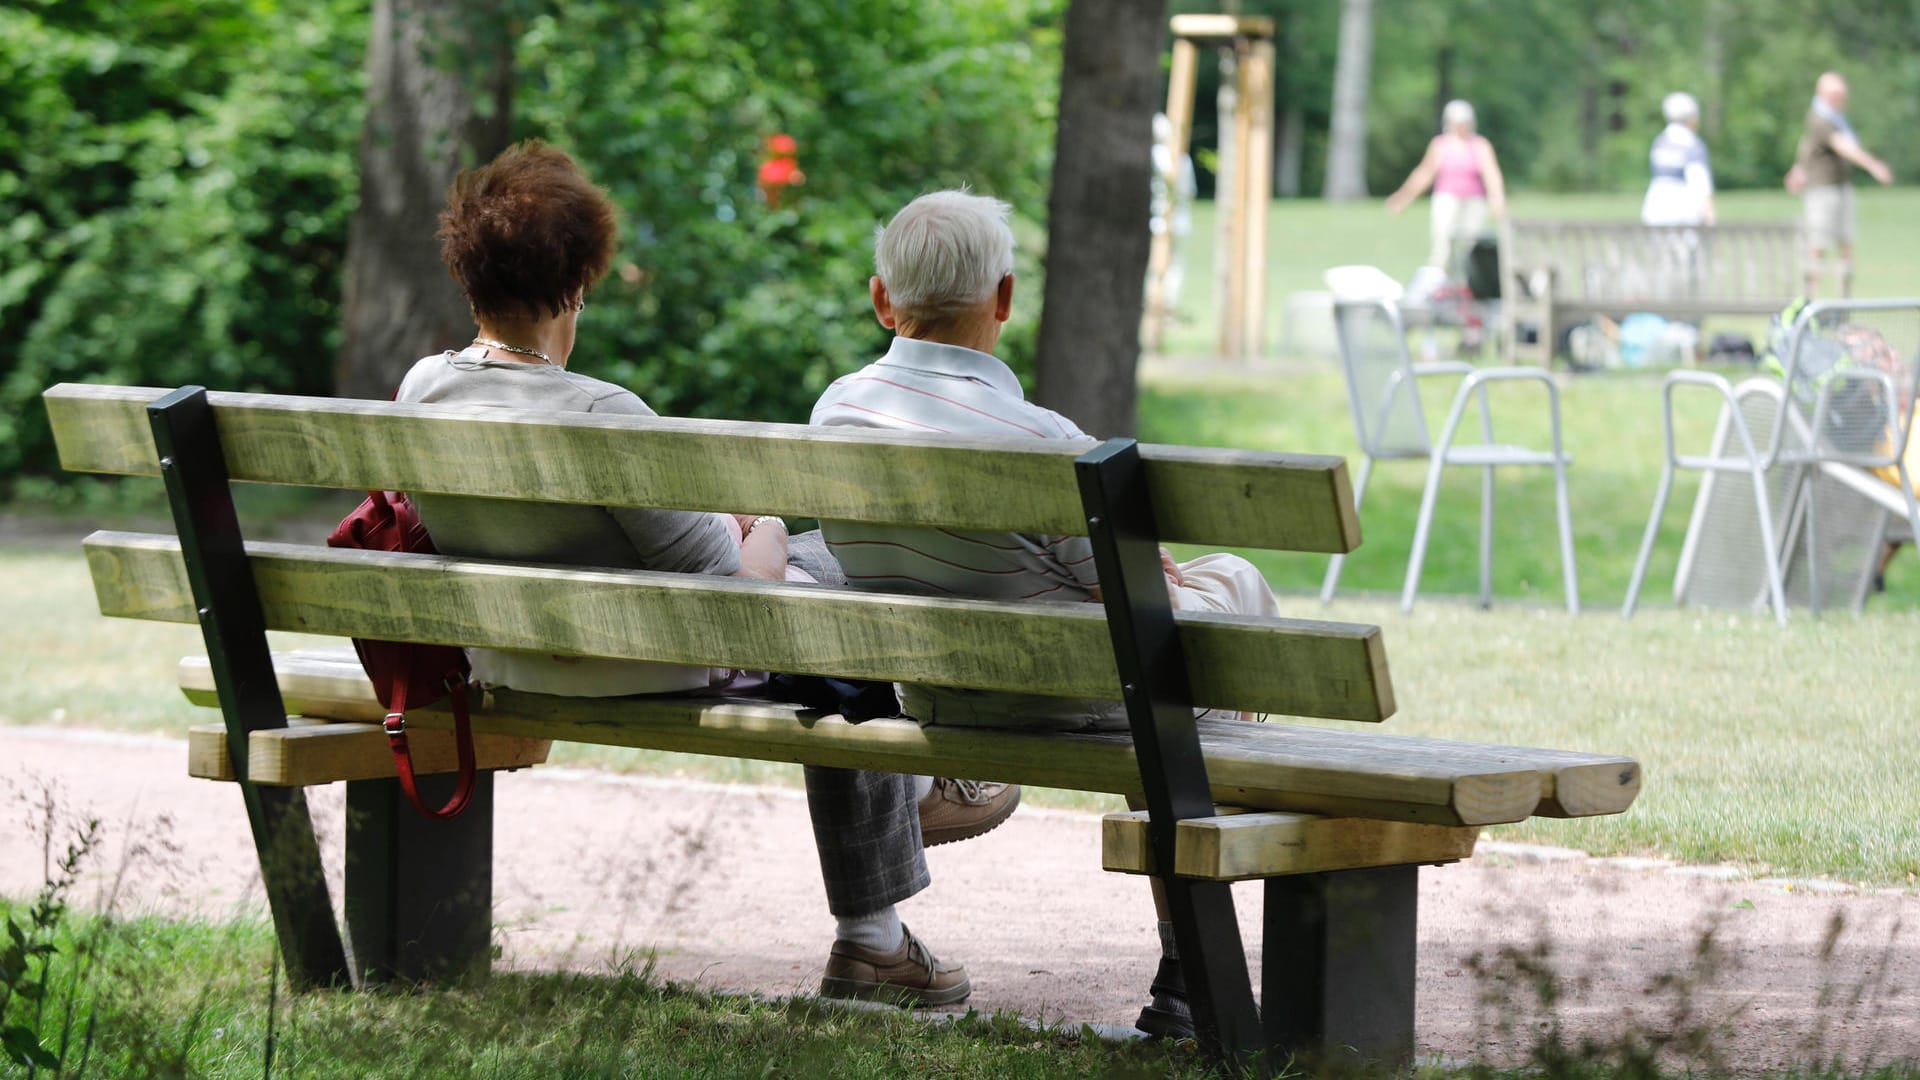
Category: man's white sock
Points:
column 1167, row 948
column 879, row 932
column 922, row 786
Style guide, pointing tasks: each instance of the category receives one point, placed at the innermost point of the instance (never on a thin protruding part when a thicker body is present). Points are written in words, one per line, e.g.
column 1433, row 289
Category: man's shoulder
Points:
column 892, row 396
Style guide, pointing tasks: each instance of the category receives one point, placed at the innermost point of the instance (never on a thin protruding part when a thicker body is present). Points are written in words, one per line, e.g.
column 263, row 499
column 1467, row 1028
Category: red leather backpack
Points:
column 406, row 673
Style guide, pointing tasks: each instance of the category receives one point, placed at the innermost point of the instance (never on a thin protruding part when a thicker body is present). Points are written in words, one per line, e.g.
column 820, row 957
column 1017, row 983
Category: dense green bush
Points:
column 176, row 182
column 174, row 189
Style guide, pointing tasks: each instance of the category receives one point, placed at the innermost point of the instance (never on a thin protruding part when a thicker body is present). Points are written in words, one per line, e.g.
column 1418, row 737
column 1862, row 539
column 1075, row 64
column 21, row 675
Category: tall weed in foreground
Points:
column 1689, row 1022
column 28, row 957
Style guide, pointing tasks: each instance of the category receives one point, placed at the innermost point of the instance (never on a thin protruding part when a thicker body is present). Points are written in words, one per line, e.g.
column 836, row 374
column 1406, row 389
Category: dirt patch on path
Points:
column 721, row 882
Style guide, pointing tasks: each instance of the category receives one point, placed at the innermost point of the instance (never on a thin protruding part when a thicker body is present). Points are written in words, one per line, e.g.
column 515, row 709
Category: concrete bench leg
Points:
column 419, row 892
column 1338, row 970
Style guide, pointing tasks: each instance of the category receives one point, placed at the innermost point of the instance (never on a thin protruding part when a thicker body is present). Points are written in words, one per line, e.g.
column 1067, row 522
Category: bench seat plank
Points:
column 311, row 751
column 1286, row 667
column 1268, row 766
column 1241, row 846
column 1231, row 498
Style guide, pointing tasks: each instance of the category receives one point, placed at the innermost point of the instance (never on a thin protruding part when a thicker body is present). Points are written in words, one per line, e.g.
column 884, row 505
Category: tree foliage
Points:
column 176, row 183
column 721, row 304
column 174, row 193
column 176, row 180
column 1570, row 92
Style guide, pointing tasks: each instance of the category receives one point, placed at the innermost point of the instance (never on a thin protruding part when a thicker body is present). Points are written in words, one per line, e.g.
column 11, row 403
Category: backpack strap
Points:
column 396, row 726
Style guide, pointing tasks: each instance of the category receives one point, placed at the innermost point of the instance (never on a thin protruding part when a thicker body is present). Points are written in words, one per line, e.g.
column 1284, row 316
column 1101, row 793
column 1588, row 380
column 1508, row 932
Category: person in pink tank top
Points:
column 1461, row 168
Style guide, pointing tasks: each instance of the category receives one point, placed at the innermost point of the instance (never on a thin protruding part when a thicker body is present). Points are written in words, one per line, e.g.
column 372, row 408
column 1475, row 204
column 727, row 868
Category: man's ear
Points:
column 1003, row 299
column 882, row 303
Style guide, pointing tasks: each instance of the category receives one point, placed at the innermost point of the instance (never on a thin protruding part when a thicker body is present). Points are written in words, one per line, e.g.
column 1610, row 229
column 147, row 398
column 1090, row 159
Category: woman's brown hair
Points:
column 526, row 233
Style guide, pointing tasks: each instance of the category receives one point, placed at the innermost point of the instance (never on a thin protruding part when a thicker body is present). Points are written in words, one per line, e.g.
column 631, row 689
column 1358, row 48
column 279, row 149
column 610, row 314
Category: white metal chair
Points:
column 1390, row 424
column 1846, row 392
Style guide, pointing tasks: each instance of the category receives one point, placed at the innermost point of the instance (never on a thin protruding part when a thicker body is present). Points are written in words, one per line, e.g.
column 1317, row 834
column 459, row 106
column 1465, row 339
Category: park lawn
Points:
column 1307, row 236
column 155, row 998
column 1782, row 750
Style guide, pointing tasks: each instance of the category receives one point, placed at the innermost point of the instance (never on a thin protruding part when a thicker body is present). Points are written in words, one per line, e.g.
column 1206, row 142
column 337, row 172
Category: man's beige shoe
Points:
column 962, row 809
column 909, row 975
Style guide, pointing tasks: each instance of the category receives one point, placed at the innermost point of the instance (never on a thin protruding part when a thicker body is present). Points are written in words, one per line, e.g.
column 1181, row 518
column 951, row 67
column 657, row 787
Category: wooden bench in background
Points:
column 1336, row 820
column 1555, row 273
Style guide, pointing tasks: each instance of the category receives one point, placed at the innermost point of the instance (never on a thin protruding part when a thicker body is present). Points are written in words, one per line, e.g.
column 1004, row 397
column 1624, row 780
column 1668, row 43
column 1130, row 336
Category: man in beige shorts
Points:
column 1822, row 175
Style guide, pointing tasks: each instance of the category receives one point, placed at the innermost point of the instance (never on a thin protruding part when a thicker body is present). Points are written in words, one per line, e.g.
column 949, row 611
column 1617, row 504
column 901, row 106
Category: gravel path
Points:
column 721, row 882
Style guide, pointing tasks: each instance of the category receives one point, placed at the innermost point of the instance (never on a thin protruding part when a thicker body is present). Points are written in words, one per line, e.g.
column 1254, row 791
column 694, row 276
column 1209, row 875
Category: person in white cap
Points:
column 1681, row 191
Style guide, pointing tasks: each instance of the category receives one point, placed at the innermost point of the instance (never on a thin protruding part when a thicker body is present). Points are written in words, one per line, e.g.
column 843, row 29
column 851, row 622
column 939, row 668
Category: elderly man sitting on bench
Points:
column 944, row 284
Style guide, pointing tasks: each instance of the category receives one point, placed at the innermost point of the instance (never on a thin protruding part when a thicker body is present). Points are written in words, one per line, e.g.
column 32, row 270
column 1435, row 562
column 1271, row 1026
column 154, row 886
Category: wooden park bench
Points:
column 1335, row 819
column 1555, row 273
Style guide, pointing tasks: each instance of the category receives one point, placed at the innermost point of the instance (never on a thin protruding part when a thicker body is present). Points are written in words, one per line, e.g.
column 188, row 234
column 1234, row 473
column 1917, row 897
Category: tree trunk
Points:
column 439, row 99
column 1290, row 136
column 1713, row 61
column 1097, row 238
column 1352, row 71
column 1290, row 150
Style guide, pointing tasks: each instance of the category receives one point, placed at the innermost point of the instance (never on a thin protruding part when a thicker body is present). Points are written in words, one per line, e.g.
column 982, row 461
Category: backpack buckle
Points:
column 395, row 724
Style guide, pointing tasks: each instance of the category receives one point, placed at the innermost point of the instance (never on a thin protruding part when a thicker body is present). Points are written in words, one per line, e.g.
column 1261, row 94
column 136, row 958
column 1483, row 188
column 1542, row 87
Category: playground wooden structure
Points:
column 1244, row 185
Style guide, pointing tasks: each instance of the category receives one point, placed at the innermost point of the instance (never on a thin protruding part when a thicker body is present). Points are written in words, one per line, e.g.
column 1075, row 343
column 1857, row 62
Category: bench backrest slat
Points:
column 1230, row 498
column 1288, row 667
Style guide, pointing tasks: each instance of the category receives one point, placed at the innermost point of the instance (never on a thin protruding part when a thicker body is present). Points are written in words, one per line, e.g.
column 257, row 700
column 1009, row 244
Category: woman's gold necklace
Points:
column 521, row 349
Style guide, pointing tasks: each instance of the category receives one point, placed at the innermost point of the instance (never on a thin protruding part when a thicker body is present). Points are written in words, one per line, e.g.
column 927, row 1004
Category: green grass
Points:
column 1306, row 236
column 191, row 999
column 1787, row 751
column 149, row 998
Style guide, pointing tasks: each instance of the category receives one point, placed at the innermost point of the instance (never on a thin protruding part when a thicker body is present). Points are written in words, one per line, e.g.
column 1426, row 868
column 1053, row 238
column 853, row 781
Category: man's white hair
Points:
column 1679, row 107
column 944, row 252
column 1456, row 112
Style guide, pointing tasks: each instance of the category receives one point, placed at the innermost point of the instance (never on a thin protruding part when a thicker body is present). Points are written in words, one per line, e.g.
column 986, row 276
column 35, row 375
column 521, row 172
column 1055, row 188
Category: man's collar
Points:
column 955, row 360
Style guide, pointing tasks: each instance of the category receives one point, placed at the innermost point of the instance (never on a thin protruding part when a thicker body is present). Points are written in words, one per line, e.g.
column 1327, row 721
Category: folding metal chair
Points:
column 1846, row 392
column 1390, row 424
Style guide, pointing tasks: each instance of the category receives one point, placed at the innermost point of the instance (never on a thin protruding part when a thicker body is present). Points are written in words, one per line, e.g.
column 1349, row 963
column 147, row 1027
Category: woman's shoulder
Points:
column 463, row 379
column 424, row 379
column 605, row 397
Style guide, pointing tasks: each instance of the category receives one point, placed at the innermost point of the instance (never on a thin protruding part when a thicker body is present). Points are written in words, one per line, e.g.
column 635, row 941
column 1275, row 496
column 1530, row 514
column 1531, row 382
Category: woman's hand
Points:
column 1171, row 568
column 763, row 548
